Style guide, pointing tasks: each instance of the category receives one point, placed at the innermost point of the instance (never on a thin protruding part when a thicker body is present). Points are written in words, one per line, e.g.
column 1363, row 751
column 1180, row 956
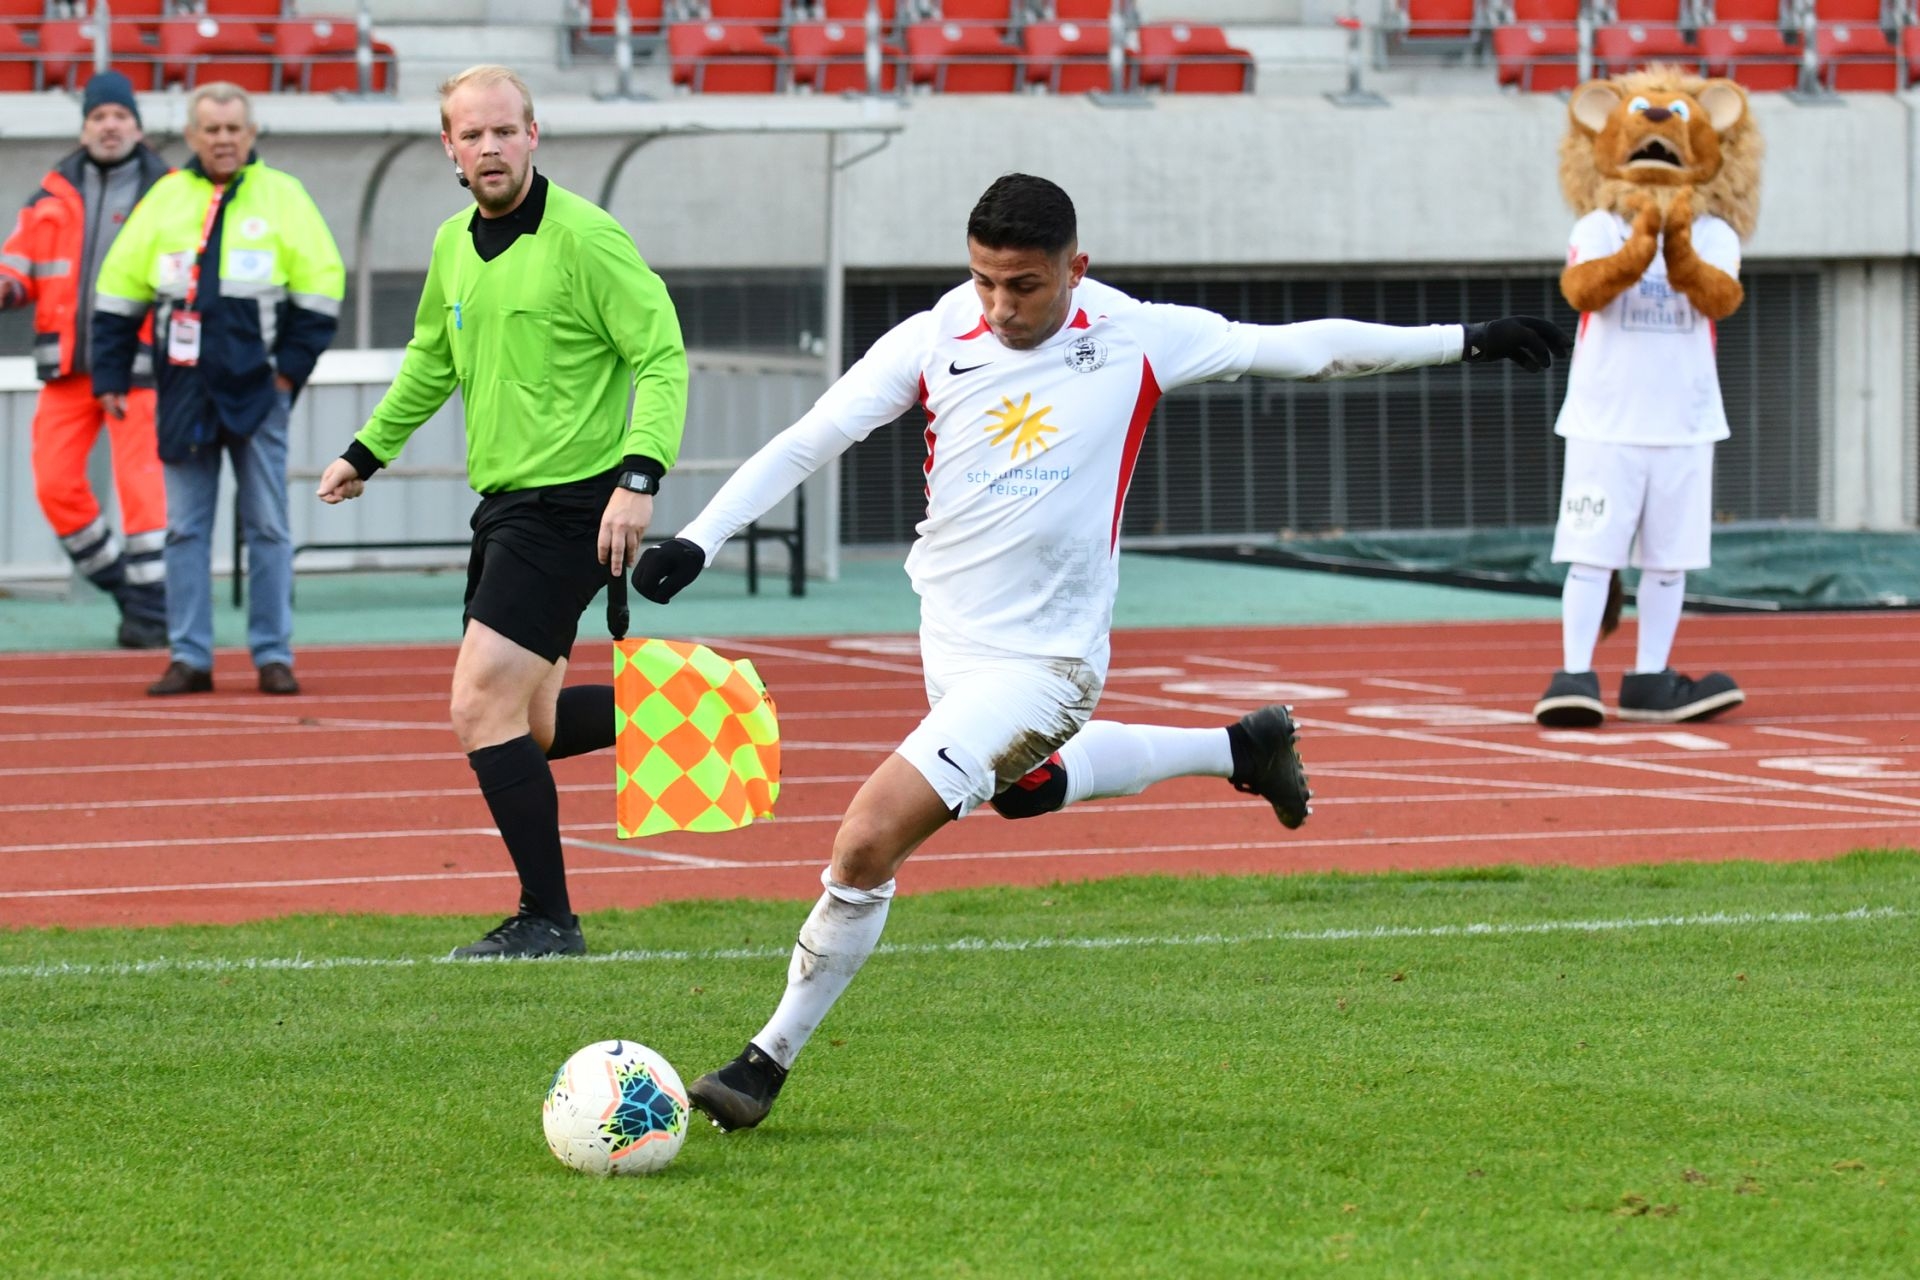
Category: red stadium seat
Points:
column 1751, row 12
column 1183, row 58
column 1537, row 57
column 765, row 16
column 1757, row 55
column 854, row 12
column 1547, row 13
column 17, row 60
column 1085, row 10
column 961, row 59
column 831, row 57
column 317, row 55
column 1862, row 12
column 22, row 11
column 1632, row 45
column 257, row 10
column 710, row 57
column 1856, row 58
column 994, row 13
column 147, row 13
column 200, row 50
column 1068, row 57
column 1910, row 46
column 1654, row 13
column 66, row 54
column 645, row 15
column 1440, row 19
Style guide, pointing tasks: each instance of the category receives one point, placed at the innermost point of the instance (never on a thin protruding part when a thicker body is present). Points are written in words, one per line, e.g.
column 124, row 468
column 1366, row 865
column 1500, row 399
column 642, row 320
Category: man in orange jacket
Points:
column 51, row 260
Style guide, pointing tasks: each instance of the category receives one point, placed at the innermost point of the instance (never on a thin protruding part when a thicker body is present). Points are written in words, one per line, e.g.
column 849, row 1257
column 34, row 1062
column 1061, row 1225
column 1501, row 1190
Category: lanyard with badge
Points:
column 183, row 330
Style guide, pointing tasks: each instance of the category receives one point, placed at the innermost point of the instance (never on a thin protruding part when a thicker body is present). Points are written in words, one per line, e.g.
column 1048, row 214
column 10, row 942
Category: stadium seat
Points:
column 1910, row 46
column 1856, row 58
column 710, row 57
column 1757, row 55
column 1548, row 13
column 256, row 10
column 1087, row 10
column 961, row 59
column 765, row 16
column 989, row 13
column 66, row 54
column 854, row 12
column 1859, row 12
column 147, row 13
column 1629, row 46
column 1439, row 19
column 198, row 50
column 1537, row 57
column 1182, row 58
column 317, row 55
column 1653, row 13
column 17, row 59
column 22, row 11
column 1068, row 57
column 645, row 15
column 831, row 57
column 1752, row 12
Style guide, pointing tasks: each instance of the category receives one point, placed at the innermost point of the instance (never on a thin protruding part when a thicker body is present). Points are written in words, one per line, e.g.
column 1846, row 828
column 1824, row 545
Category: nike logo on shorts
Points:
column 942, row 753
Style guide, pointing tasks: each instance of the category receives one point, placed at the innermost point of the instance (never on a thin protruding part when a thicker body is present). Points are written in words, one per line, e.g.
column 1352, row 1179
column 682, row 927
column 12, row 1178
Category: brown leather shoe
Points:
column 277, row 677
column 181, row 678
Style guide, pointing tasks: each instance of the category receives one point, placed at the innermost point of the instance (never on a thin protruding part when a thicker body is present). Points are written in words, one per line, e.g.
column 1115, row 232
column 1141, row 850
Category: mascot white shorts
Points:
column 1663, row 493
column 996, row 715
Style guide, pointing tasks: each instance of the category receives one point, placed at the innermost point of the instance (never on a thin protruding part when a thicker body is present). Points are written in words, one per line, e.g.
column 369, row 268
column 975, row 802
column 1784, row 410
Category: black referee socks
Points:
column 582, row 720
column 518, row 785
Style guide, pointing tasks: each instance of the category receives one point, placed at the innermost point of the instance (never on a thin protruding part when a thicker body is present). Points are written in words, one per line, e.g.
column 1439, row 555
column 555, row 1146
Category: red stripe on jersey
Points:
column 1713, row 335
column 1581, row 332
column 976, row 331
column 1079, row 321
column 1136, row 430
column 926, row 468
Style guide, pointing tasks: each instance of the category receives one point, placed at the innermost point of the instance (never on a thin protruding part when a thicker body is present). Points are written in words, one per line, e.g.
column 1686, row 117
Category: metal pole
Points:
column 623, row 49
column 1117, row 47
column 102, row 35
column 872, row 55
column 1584, row 58
column 831, row 342
column 363, row 47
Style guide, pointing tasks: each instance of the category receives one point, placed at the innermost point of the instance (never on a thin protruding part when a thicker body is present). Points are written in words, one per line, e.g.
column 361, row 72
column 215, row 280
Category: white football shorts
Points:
column 996, row 716
column 1613, row 492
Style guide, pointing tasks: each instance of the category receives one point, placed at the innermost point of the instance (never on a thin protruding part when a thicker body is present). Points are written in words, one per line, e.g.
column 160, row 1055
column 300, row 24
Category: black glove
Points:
column 1528, row 341
column 666, row 569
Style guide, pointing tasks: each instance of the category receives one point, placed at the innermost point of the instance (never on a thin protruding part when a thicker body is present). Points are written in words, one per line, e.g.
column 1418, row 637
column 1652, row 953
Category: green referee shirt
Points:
column 544, row 342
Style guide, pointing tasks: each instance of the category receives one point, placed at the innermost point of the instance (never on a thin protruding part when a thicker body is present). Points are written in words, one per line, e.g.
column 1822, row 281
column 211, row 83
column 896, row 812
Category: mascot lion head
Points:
column 1656, row 131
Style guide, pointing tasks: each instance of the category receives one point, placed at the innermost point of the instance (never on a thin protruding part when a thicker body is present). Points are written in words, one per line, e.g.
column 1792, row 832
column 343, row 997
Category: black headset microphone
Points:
column 461, row 176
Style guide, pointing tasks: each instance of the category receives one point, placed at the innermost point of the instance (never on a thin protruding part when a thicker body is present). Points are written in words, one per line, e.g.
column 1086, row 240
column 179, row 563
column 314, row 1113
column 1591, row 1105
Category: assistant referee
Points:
column 539, row 309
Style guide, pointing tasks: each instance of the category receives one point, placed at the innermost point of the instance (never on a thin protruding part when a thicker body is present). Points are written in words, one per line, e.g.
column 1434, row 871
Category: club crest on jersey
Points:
column 1084, row 355
column 1021, row 423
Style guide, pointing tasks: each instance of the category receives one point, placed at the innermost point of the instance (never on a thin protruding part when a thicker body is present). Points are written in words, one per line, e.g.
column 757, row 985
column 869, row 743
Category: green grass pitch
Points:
column 1689, row 1069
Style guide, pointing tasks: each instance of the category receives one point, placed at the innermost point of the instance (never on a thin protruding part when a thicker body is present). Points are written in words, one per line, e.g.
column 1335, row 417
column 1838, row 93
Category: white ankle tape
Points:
column 856, row 897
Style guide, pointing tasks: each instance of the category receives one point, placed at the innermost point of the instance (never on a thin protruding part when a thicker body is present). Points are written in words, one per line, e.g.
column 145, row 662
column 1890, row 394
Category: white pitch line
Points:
column 1276, row 848
column 657, row 855
column 969, row 946
column 1811, row 736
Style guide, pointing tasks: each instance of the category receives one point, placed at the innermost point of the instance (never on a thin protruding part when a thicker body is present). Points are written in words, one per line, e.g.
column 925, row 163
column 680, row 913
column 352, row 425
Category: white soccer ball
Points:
column 615, row 1107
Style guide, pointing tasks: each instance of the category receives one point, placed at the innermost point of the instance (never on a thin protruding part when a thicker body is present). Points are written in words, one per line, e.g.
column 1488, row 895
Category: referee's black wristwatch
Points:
column 638, row 482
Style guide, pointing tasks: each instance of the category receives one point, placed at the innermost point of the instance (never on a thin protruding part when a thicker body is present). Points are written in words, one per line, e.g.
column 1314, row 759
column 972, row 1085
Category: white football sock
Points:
column 836, row 940
column 1110, row 759
column 1582, row 602
column 1658, row 604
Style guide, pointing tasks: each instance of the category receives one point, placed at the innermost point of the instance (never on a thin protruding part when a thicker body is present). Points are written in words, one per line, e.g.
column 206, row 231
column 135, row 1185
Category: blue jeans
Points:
column 193, row 500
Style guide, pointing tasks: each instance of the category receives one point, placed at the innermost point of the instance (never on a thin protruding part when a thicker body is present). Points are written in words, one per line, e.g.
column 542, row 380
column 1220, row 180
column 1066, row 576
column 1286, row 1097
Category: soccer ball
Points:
column 615, row 1107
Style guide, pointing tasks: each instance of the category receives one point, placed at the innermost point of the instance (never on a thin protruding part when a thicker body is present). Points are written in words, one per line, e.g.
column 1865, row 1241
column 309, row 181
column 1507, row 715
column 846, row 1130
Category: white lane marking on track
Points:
column 1811, row 736
column 967, row 946
column 1411, row 687
column 658, row 855
column 1678, row 739
column 1876, row 768
column 1005, row 855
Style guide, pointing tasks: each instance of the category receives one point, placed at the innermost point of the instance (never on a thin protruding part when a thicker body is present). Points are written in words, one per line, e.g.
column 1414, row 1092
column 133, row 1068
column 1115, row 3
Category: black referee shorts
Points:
column 535, row 565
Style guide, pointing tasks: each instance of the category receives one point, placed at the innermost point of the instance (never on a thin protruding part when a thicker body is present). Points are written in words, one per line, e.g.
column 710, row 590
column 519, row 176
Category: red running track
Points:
column 119, row 809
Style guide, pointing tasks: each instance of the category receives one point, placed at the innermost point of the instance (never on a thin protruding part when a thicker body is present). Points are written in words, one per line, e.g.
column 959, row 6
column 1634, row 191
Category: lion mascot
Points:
column 1663, row 168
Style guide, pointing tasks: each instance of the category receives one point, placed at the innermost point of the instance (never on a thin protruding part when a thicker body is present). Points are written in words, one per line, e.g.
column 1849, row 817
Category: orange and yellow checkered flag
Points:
column 697, row 747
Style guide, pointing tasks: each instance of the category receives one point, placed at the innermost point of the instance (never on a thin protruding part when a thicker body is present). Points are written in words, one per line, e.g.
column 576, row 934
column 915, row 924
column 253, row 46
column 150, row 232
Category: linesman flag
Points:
column 696, row 747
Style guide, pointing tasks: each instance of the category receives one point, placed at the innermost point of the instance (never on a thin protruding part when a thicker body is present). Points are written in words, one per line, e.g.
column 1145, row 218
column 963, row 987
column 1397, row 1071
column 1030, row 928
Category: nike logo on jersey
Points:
column 954, row 368
column 942, row 753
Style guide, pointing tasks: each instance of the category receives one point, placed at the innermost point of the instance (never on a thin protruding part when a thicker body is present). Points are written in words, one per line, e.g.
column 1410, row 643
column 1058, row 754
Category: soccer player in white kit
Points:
column 1038, row 384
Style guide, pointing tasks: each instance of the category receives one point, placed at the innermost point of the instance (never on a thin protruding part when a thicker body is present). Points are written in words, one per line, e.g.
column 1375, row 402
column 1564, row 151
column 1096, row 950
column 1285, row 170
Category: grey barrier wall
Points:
column 735, row 403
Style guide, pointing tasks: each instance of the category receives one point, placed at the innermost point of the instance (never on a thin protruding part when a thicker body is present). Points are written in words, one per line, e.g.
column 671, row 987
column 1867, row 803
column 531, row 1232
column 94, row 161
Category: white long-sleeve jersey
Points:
column 1030, row 453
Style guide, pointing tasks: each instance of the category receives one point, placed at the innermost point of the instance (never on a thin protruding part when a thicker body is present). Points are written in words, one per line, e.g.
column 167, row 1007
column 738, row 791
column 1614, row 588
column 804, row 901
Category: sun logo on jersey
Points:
column 1026, row 425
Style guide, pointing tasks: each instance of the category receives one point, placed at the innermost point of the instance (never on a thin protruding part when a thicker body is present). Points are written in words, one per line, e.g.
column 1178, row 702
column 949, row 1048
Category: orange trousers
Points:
column 65, row 426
